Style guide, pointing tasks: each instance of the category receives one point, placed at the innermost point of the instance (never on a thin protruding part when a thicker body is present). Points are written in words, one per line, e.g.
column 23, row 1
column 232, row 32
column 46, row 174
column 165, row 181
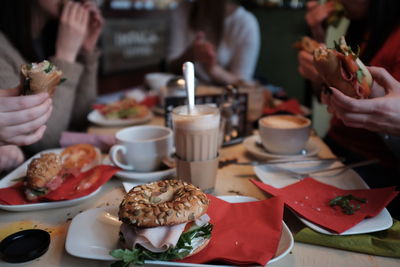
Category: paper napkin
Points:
column 243, row 233
column 73, row 187
column 382, row 243
column 292, row 106
column 310, row 199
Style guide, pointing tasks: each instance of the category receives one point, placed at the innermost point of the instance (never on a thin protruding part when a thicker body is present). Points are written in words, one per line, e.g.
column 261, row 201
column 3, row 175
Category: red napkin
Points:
column 243, row 233
column 292, row 106
column 102, row 141
column 310, row 199
column 73, row 187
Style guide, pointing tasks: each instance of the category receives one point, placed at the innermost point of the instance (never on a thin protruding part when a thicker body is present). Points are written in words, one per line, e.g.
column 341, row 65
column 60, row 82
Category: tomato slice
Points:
column 78, row 156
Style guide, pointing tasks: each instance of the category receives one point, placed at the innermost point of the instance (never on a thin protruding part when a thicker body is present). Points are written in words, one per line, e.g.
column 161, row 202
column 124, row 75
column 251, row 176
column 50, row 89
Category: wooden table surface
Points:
column 231, row 180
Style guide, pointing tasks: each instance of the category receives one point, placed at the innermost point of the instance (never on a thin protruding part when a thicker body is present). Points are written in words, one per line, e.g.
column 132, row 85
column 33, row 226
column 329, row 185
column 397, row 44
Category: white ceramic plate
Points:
column 91, row 235
column 141, row 177
column 253, row 146
column 9, row 180
column 96, row 117
column 278, row 176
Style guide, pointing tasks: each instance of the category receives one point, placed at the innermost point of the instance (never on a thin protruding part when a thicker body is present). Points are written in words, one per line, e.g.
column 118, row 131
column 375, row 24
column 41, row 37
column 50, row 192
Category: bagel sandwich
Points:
column 43, row 176
column 341, row 68
column 40, row 77
column 164, row 220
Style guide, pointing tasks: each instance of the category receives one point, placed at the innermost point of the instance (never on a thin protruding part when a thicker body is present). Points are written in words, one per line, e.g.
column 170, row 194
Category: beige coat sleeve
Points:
column 72, row 99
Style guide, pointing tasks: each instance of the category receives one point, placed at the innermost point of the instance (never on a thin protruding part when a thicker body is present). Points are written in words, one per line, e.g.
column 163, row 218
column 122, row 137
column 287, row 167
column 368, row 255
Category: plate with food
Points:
column 279, row 176
column 99, row 234
column 123, row 112
column 35, row 183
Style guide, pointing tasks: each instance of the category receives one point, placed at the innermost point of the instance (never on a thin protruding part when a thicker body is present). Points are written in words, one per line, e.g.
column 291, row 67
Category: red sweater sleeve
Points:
column 388, row 56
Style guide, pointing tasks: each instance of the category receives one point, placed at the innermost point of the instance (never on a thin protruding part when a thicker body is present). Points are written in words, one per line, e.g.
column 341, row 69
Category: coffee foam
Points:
column 284, row 122
column 200, row 118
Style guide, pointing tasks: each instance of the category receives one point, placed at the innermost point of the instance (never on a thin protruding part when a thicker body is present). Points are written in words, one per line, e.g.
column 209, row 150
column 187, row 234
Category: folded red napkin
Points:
column 293, row 106
column 73, row 187
column 243, row 233
column 102, row 141
column 310, row 199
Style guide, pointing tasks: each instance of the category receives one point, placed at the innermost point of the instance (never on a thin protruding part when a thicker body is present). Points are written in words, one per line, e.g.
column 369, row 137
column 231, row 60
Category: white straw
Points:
column 188, row 74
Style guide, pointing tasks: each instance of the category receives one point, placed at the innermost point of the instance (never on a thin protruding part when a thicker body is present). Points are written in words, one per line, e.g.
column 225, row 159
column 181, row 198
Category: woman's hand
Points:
column 23, row 118
column 203, row 51
column 72, row 31
column 95, row 26
column 306, row 67
column 381, row 114
column 10, row 157
column 316, row 15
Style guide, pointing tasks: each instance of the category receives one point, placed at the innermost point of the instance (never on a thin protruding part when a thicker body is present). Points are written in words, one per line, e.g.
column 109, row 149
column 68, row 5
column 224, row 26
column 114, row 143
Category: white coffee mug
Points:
column 284, row 134
column 142, row 148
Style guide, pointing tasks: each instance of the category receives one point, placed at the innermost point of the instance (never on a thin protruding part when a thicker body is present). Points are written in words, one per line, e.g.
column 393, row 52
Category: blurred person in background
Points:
column 65, row 33
column 375, row 28
column 22, row 122
column 220, row 37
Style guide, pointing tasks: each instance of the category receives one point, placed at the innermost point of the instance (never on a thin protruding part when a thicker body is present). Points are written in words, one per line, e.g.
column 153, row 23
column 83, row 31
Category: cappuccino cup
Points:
column 284, row 134
column 142, row 148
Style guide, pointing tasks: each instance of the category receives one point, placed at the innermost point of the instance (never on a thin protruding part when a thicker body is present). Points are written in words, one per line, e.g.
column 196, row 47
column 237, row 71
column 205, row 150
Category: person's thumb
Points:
column 384, row 79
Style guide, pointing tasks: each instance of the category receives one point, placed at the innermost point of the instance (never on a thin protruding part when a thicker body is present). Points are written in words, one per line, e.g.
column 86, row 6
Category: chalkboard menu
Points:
column 132, row 43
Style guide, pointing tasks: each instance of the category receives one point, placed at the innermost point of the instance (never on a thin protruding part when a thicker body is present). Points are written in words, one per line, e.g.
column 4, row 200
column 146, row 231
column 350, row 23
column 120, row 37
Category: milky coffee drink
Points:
column 196, row 145
column 196, row 134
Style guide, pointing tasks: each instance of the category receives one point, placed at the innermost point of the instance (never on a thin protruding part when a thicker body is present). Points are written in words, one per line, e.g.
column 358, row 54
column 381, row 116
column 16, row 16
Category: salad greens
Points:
column 183, row 248
column 345, row 203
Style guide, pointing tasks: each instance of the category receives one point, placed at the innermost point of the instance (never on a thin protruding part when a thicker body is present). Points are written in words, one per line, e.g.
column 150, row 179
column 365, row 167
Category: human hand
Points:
column 306, row 67
column 10, row 157
column 316, row 15
column 380, row 114
column 23, row 118
column 95, row 25
column 203, row 51
column 72, row 31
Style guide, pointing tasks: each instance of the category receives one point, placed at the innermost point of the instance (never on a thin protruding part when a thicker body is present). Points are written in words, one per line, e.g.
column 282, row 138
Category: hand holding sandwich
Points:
column 23, row 118
column 380, row 114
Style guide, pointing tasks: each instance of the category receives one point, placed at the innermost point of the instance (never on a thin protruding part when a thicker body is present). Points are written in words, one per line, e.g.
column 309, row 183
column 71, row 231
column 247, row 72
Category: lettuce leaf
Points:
column 183, row 248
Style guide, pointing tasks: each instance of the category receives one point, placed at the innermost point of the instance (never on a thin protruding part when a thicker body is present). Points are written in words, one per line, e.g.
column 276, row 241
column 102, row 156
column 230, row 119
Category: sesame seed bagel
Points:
column 163, row 203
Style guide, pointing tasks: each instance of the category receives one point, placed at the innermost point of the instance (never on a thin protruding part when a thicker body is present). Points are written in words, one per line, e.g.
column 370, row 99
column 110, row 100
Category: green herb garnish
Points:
column 62, row 80
column 126, row 113
column 345, row 203
column 49, row 68
column 183, row 248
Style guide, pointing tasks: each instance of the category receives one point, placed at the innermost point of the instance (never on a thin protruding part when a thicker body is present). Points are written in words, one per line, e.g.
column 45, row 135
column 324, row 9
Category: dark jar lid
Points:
column 24, row 245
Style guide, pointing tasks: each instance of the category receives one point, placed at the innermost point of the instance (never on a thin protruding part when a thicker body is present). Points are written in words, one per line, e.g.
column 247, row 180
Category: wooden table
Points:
column 231, row 180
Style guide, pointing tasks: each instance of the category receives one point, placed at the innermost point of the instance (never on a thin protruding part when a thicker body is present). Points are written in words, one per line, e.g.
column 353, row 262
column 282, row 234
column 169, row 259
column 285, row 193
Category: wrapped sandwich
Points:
column 163, row 220
column 40, row 77
column 341, row 68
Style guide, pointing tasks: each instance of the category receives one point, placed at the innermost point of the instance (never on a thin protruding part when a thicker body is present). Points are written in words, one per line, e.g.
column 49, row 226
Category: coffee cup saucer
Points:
column 142, row 176
column 253, row 146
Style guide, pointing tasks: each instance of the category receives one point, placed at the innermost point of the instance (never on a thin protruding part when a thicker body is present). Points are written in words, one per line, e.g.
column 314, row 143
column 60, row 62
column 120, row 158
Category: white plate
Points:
column 251, row 145
column 93, row 236
column 141, row 177
column 96, row 117
column 9, row 180
column 277, row 176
